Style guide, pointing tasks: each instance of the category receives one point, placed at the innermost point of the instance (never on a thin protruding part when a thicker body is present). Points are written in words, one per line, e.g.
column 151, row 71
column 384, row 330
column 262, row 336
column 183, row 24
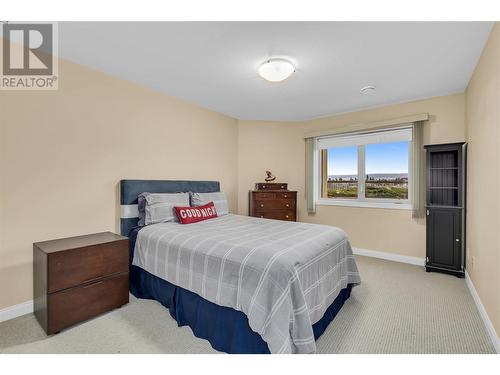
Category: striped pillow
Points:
column 160, row 206
column 219, row 199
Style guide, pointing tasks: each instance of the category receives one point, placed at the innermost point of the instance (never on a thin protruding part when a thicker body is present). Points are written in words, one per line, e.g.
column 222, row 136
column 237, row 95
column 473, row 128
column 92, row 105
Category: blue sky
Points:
column 380, row 158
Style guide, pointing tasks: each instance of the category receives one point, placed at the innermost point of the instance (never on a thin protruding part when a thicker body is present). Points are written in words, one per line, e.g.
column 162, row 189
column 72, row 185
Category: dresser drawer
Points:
column 73, row 267
column 276, row 215
column 287, row 195
column 259, row 195
column 76, row 304
column 271, row 186
column 277, row 204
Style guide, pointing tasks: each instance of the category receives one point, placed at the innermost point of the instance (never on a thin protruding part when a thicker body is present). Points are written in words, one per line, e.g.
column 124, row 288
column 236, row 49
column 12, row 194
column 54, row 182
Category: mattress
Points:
column 282, row 275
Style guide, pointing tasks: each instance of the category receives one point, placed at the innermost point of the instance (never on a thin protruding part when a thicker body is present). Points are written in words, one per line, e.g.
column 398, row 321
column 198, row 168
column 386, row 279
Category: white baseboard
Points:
column 482, row 311
column 389, row 256
column 12, row 312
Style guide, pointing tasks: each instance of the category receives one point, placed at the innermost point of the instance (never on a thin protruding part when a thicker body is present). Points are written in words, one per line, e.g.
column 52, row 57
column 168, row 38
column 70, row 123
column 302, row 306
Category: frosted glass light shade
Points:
column 276, row 70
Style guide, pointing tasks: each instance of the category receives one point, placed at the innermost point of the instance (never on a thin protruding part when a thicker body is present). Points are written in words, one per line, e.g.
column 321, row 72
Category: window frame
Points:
column 362, row 200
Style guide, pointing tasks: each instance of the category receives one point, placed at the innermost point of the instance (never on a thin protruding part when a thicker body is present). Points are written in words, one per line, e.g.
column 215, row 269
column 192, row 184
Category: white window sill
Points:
column 367, row 204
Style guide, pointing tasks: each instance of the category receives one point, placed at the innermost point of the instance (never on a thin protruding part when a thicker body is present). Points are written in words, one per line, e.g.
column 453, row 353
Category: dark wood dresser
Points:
column 273, row 201
column 77, row 278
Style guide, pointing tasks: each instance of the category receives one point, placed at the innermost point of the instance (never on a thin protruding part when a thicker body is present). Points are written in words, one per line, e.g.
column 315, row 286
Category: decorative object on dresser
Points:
column 269, row 177
column 77, row 278
column 273, row 201
column 446, row 183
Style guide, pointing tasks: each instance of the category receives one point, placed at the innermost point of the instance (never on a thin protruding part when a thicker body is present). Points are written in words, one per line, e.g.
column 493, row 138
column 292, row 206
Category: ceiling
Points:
column 213, row 64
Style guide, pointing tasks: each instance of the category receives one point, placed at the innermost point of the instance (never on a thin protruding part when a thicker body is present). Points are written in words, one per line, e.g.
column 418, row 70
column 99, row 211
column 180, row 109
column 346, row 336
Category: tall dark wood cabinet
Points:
column 446, row 176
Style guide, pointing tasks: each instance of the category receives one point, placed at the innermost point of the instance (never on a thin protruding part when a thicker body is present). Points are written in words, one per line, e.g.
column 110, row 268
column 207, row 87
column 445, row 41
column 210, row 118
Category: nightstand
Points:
column 77, row 278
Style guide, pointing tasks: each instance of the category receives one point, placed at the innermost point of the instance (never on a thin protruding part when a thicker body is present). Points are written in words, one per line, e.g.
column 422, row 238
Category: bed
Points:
column 247, row 285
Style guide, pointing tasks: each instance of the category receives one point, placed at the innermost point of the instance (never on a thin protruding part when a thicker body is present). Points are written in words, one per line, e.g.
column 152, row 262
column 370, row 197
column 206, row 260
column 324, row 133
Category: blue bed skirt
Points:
column 226, row 329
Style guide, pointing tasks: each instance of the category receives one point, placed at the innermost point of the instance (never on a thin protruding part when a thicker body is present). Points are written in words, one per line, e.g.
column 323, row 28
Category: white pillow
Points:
column 160, row 206
column 219, row 199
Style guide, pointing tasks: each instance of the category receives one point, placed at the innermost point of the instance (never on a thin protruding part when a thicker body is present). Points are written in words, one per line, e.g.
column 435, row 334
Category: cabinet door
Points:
column 444, row 238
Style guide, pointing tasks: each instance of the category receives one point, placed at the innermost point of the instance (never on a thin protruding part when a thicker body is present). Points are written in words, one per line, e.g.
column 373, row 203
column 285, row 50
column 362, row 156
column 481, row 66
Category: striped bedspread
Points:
column 282, row 275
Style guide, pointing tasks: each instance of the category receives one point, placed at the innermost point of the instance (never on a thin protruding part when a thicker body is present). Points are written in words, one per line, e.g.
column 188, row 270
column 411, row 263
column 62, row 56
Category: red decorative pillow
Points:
column 188, row 215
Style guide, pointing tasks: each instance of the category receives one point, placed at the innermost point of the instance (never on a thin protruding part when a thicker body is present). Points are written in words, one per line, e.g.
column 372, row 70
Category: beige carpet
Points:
column 399, row 308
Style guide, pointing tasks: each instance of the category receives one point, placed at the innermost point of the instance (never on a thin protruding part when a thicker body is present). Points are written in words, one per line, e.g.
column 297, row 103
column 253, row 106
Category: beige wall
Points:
column 483, row 204
column 279, row 147
column 62, row 154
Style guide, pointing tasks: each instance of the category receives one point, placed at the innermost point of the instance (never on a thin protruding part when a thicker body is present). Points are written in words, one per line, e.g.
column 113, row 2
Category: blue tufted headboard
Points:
column 130, row 189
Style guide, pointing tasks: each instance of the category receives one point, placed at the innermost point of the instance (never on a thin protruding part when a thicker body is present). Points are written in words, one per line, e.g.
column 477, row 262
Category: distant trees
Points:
column 372, row 178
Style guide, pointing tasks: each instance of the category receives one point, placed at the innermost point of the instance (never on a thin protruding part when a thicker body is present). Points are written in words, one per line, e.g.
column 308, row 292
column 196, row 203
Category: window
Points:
column 341, row 165
column 387, row 168
column 365, row 169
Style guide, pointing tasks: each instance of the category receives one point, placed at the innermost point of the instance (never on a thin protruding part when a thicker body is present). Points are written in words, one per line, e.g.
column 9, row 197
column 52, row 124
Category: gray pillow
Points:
column 159, row 207
column 141, row 207
column 219, row 199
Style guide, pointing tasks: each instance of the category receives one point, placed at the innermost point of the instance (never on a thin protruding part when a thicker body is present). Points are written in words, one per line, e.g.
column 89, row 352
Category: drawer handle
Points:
column 263, row 186
column 262, row 205
column 286, row 216
column 282, row 186
column 287, row 205
column 93, row 284
column 286, row 196
column 93, row 279
column 261, row 216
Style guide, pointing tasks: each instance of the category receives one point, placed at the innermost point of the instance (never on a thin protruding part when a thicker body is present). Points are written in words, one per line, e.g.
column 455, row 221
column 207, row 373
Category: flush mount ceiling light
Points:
column 367, row 90
column 276, row 70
